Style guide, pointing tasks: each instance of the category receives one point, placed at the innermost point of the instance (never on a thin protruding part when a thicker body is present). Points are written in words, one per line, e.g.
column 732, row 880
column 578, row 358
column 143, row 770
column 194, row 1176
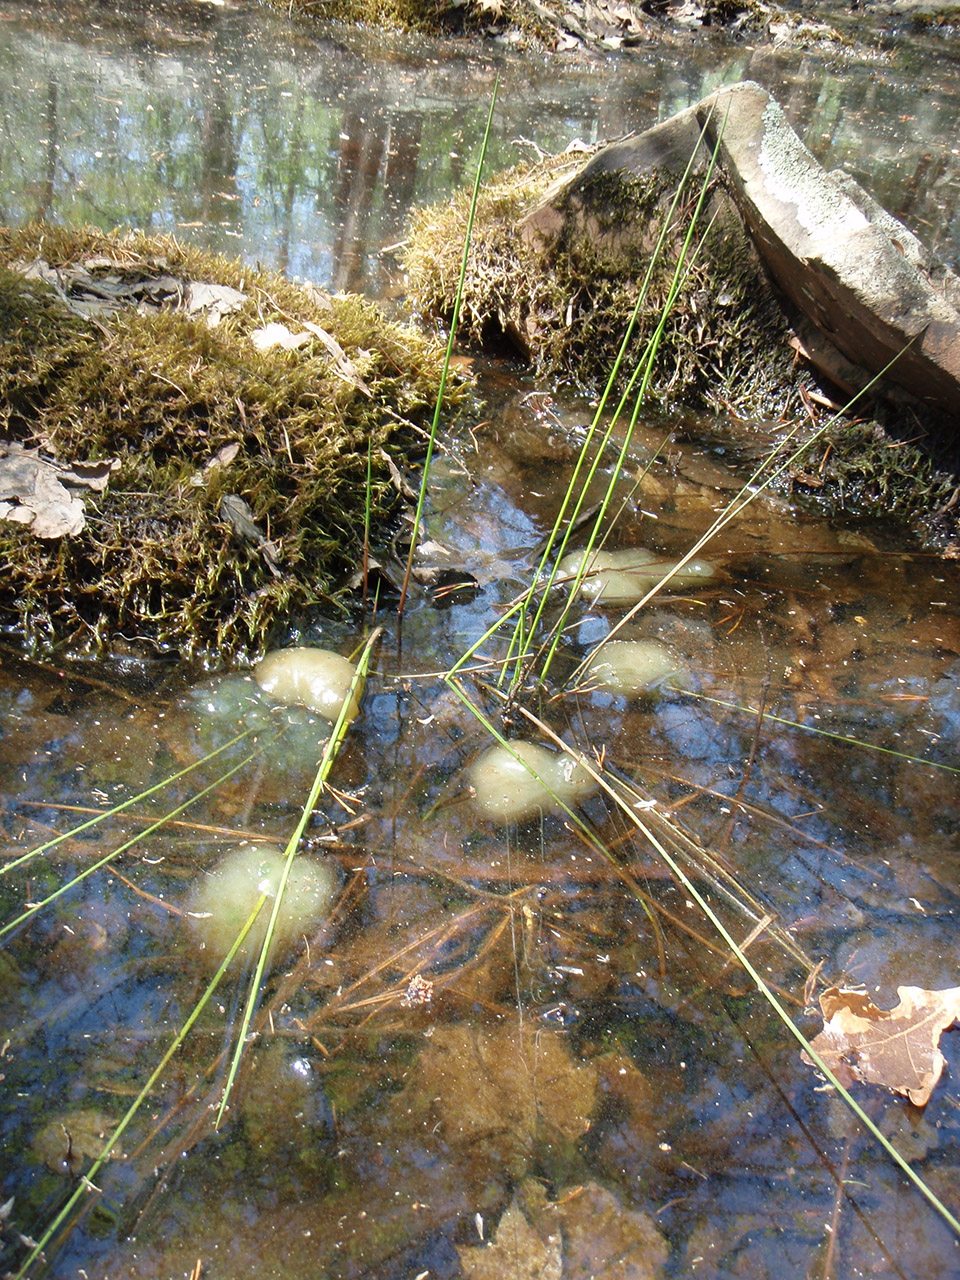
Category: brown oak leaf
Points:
column 897, row 1048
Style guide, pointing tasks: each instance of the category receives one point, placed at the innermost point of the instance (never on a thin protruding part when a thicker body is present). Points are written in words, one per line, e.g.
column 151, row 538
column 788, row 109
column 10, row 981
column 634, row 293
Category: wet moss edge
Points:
column 164, row 392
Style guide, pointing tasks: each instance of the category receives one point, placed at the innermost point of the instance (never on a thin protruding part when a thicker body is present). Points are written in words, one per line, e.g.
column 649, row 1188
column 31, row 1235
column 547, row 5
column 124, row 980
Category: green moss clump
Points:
column 864, row 468
column 164, row 392
column 537, row 22
column 434, row 17
column 566, row 303
column 559, row 254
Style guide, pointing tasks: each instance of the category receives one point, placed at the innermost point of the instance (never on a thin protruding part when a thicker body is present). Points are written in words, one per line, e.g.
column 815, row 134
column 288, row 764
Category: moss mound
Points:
column 567, row 304
column 559, row 254
column 240, row 486
column 546, row 24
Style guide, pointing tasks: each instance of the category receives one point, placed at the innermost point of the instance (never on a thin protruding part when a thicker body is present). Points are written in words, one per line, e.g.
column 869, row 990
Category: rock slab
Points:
column 842, row 261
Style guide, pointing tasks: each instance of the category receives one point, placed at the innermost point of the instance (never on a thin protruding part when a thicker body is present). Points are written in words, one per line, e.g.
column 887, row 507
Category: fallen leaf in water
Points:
column 897, row 1048
column 584, row 1234
column 602, row 1240
column 67, row 1141
column 515, row 1251
column 505, row 1088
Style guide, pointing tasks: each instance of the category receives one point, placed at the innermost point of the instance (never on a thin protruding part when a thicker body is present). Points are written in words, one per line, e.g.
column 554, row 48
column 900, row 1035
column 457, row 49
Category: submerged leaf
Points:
column 602, row 1240
column 516, row 1250
column 897, row 1048
column 584, row 1234
column 505, row 1087
column 65, row 1142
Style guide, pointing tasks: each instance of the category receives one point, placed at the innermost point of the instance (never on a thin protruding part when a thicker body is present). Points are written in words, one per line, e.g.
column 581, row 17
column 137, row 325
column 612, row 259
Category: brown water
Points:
column 591, row 1086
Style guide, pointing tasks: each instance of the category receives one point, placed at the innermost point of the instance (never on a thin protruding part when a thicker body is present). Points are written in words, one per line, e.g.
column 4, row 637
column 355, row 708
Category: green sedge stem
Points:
column 825, row 733
column 119, row 808
column 448, row 355
column 127, row 844
column 85, row 1186
column 327, row 760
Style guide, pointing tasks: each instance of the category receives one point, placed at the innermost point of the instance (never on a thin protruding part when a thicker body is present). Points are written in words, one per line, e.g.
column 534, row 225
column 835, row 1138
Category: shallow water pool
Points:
column 506, row 1050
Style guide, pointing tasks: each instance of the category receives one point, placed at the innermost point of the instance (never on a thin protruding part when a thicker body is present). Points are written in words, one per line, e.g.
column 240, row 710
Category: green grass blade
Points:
column 795, row 1031
column 119, row 808
column 764, row 475
column 448, row 354
column 327, row 760
column 127, row 844
column 775, row 1004
column 823, row 733
column 367, row 508
column 84, row 1189
column 643, row 370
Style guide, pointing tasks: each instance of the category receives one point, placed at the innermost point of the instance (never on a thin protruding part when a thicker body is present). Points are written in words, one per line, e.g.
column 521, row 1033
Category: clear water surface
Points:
column 504, row 1050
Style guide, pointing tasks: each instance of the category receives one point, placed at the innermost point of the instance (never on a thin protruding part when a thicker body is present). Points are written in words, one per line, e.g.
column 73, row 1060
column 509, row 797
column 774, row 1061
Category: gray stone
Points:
column 844, row 263
column 858, row 289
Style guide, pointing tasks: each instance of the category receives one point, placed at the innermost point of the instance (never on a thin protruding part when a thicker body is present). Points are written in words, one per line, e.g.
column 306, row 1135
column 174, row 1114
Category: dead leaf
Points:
column 223, row 457
column 897, row 1048
column 88, row 475
column 278, row 335
column 213, row 301
column 33, row 490
column 240, row 515
column 64, row 1143
column 585, row 1233
column 506, row 1087
column 343, row 365
column 100, row 287
column 602, row 1240
column 319, row 297
column 515, row 1251
column 402, row 486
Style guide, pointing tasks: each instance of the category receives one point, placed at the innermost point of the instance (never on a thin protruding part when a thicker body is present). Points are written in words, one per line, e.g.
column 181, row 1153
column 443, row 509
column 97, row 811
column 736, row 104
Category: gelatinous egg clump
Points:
column 223, row 898
column 318, row 679
column 540, row 781
column 636, row 668
column 624, row 577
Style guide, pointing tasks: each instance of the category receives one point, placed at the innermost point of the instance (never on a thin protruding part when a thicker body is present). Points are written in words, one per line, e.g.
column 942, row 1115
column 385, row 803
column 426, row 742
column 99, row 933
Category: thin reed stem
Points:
column 448, row 355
